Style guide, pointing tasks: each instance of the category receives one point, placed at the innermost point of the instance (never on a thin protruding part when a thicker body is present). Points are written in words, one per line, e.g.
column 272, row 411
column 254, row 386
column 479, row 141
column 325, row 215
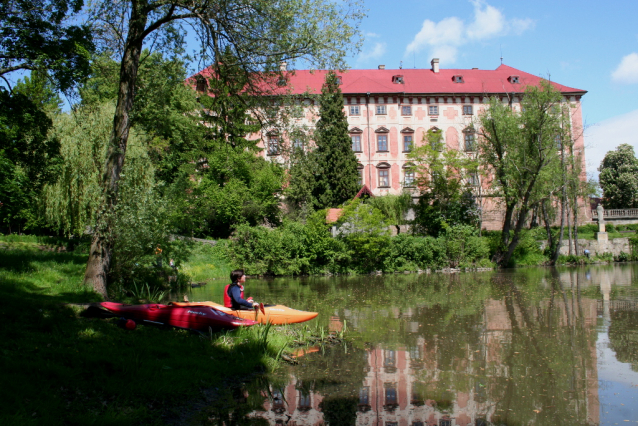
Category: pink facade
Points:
column 387, row 109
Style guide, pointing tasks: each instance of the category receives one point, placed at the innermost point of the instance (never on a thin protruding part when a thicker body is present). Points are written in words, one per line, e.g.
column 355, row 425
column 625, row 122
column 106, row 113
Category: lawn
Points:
column 59, row 368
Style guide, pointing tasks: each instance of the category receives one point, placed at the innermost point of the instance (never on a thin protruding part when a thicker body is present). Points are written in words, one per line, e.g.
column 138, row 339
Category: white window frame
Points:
column 381, row 110
column 433, row 110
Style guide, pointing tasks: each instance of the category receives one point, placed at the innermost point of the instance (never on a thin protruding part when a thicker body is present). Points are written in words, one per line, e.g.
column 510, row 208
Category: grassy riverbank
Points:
column 60, row 368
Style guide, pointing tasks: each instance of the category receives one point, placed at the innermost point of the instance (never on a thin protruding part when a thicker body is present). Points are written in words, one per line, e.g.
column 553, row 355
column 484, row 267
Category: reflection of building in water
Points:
column 410, row 387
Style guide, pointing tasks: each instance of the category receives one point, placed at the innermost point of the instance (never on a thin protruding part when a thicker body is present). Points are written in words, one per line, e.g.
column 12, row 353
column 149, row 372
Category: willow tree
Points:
column 521, row 151
column 259, row 33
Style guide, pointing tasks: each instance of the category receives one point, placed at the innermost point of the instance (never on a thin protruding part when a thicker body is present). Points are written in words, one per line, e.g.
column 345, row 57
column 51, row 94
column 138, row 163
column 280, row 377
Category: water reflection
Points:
column 511, row 348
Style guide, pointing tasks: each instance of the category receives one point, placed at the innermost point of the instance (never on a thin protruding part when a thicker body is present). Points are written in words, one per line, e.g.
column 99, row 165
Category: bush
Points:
column 610, row 228
column 633, row 244
column 622, row 257
column 463, row 246
column 412, row 253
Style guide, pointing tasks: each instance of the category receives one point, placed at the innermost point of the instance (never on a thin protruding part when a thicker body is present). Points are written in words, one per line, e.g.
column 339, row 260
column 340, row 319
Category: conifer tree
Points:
column 337, row 177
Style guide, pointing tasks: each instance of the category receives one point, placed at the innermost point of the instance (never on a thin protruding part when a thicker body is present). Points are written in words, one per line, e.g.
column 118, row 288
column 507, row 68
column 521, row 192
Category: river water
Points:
column 535, row 346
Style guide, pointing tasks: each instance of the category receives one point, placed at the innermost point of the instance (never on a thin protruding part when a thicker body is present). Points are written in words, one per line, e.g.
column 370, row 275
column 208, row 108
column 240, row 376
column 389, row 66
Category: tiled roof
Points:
column 377, row 81
column 419, row 81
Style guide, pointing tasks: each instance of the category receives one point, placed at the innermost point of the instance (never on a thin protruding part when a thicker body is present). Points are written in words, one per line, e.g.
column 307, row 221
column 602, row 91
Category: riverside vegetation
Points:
column 61, row 368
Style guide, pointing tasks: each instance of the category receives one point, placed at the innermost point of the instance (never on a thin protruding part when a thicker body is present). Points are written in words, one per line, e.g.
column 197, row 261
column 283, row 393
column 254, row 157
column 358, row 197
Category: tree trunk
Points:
column 97, row 268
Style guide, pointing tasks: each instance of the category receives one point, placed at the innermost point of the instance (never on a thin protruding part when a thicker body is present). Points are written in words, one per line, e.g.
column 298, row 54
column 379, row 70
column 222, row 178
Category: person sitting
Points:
column 234, row 292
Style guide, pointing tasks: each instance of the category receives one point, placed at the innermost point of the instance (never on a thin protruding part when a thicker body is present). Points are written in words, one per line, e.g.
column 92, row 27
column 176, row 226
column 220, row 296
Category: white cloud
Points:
column 606, row 136
column 627, row 70
column 488, row 22
column 378, row 50
column 443, row 39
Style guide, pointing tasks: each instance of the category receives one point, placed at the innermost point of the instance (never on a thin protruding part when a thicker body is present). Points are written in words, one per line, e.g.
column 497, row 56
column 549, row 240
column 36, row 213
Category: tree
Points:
column 520, row 150
column 260, row 33
column 337, row 176
column 619, row 178
column 29, row 156
column 34, row 35
column 444, row 178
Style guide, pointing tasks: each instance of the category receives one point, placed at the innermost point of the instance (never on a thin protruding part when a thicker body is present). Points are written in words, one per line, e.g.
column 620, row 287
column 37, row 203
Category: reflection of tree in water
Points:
column 548, row 360
column 623, row 337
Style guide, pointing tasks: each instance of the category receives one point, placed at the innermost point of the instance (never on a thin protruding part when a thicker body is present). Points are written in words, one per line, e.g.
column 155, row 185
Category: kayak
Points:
column 199, row 318
column 275, row 314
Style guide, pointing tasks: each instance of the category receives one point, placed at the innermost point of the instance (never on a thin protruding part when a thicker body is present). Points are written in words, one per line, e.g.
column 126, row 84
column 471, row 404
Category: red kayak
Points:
column 199, row 318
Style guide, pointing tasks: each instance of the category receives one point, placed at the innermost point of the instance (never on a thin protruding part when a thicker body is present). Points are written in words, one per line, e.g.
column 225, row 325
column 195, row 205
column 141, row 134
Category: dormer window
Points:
column 514, row 79
column 339, row 80
column 457, row 79
column 397, row 79
column 202, row 84
column 281, row 82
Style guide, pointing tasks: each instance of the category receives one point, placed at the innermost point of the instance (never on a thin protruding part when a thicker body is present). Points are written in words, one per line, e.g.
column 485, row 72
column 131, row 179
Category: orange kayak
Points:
column 275, row 314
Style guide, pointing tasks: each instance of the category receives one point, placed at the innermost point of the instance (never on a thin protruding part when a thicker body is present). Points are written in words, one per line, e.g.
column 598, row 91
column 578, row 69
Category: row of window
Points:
column 383, row 176
column 407, row 110
column 382, row 143
column 408, row 143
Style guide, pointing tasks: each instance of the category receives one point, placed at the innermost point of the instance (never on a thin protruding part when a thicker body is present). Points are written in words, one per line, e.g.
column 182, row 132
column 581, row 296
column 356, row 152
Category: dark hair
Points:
column 236, row 275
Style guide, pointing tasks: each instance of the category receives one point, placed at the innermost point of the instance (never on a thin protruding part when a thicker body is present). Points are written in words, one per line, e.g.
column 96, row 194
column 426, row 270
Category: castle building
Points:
column 390, row 110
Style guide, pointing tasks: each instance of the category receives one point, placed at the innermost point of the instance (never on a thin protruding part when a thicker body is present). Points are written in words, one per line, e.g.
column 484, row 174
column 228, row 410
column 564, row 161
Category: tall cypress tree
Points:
column 337, row 177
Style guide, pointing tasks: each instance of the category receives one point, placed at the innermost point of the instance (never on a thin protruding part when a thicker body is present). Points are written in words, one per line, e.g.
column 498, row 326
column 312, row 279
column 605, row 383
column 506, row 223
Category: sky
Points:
column 584, row 44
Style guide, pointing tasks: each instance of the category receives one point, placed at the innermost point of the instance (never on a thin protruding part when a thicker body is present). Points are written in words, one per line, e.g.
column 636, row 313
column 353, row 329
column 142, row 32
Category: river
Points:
column 534, row 346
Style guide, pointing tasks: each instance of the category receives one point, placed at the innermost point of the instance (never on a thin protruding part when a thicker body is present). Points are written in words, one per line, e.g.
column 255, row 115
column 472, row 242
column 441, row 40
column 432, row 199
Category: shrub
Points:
column 633, row 244
column 622, row 257
column 412, row 253
column 463, row 246
column 610, row 228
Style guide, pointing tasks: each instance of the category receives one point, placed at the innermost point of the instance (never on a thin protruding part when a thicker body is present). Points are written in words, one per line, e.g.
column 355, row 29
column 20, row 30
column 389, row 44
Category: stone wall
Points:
column 595, row 247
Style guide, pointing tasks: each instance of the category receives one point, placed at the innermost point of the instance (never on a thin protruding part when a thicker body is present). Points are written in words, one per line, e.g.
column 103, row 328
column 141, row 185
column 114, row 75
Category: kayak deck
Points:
column 275, row 314
column 199, row 318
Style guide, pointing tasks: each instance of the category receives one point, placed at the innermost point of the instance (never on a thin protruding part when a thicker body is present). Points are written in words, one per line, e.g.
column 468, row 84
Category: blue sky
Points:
column 586, row 44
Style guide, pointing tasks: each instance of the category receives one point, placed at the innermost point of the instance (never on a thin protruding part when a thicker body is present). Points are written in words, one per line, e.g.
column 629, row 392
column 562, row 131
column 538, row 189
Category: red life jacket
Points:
column 227, row 302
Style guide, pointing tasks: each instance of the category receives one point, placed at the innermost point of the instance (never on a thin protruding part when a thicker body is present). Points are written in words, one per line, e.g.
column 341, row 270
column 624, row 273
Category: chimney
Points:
column 282, row 66
column 381, row 67
column 435, row 65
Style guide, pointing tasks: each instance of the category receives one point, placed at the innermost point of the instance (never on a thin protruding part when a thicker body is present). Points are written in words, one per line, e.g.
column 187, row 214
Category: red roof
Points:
column 419, row 81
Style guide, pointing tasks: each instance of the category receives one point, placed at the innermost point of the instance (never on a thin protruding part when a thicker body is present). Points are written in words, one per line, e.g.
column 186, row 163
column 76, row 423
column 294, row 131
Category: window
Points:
column 390, row 394
column 407, row 143
column 381, row 110
column 559, row 142
column 273, row 145
column 467, row 110
column 397, row 79
column 382, row 142
column 356, row 143
column 297, row 144
column 384, row 177
column 389, row 358
column 305, row 402
column 408, row 180
column 470, row 146
column 406, row 110
column 457, row 79
column 360, row 172
column 473, row 179
column 354, row 109
column 433, row 110
column 202, row 84
column 339, row 80
column 364, row 395
column 445, row 422
column 514, row 79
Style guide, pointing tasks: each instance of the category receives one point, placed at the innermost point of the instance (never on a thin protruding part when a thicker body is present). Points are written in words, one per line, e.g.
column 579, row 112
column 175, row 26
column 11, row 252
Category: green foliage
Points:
column 301, row 183
column 363, row 230
column 336, row 179
column 463, row 246
column 29, row 157
column 411, row 253
column 393, row 207
column 35, row 35
column 633, row 244
column 521, row 150
column 619, row 178
column 443, row 178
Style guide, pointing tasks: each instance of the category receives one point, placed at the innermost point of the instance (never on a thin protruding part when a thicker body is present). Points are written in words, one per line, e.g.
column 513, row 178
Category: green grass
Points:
column 59, row 368
column 207, row 263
